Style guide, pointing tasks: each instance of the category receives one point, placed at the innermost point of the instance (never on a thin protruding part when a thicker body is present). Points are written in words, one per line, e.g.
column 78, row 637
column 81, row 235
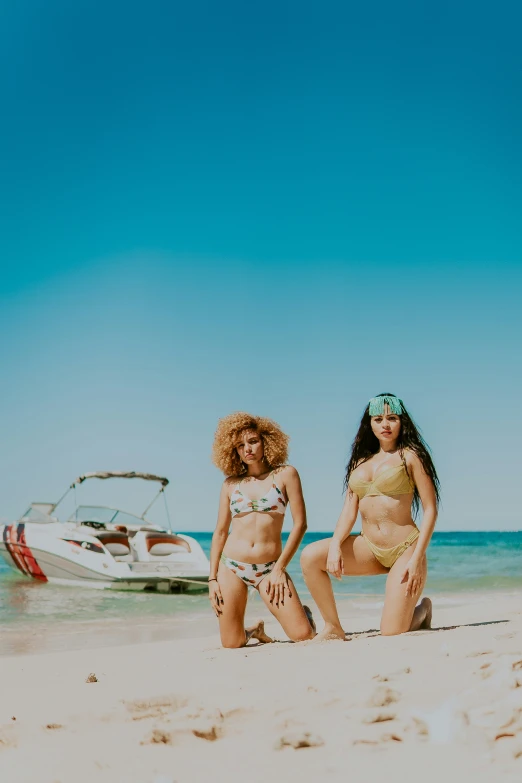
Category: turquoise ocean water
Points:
column 458, row 563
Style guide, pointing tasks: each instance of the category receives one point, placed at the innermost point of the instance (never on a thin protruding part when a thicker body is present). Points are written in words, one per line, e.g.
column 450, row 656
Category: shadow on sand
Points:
column 371, row 632
column 375, row 631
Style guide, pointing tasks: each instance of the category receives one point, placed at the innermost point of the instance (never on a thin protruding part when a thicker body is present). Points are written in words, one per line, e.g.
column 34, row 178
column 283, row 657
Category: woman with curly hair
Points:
column 252, row 452
column 390, row 472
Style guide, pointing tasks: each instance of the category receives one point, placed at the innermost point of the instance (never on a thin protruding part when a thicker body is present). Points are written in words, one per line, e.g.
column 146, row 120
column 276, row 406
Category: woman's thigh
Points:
column 290, row 615
column 357, row 558
column 232, row 617
column 399, row 607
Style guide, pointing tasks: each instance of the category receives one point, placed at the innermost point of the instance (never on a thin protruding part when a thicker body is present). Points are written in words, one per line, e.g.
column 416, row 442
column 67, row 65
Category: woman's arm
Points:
column 343, row 528
column 424, row 484
column 219, row 538
column 276, row 582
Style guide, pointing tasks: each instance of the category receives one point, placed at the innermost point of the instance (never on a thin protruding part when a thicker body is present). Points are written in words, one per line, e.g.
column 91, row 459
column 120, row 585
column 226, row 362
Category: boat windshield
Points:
column 105, row 515
column 39, row 513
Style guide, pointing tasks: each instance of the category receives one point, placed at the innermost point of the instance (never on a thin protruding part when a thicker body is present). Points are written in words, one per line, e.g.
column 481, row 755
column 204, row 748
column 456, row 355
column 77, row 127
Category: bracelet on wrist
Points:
column 213, row 579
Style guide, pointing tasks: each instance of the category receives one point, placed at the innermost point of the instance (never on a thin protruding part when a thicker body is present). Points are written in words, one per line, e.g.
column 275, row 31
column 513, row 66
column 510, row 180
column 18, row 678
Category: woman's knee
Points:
column 302, row 634
column 392, row 629
column 232, row 644
column 310, row 556
column 232, row 641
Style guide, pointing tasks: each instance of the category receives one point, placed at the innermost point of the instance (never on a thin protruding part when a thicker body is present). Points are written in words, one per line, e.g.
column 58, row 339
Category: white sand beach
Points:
column 433, row 705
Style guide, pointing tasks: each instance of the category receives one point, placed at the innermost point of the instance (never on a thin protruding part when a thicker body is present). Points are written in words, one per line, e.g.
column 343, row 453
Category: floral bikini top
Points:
column 272, row 500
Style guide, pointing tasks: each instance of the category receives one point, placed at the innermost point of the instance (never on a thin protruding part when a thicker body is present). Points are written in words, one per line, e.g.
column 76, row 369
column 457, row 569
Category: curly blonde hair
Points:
column 229, row 429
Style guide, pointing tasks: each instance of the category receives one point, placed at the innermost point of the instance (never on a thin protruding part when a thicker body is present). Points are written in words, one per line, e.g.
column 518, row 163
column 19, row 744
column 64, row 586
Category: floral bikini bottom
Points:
column 250, row 573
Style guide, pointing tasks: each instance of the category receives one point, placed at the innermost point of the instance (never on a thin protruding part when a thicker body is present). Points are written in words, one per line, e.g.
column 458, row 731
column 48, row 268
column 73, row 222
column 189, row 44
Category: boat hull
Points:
column 55, row 553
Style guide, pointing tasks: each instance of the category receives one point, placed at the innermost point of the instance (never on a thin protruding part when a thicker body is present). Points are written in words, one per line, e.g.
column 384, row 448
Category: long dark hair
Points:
column 365, row 445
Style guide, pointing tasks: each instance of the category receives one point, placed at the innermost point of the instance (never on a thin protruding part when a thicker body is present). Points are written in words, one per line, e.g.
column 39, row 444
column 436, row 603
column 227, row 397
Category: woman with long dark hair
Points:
column 390, row 474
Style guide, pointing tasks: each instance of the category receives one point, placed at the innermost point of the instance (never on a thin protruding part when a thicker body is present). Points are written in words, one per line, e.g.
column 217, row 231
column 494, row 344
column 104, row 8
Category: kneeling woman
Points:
column 251, row 452
column 390, row 471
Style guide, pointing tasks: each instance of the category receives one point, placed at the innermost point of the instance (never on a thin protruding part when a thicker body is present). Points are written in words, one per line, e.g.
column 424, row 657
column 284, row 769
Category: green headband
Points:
column 376, row 405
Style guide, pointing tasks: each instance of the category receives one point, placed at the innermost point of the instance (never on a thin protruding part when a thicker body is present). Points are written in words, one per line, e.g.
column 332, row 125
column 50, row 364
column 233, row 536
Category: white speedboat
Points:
column 104, row 547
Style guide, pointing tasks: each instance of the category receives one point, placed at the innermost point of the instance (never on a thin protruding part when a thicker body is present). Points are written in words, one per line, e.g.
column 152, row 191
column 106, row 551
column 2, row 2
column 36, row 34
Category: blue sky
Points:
column 284, row 209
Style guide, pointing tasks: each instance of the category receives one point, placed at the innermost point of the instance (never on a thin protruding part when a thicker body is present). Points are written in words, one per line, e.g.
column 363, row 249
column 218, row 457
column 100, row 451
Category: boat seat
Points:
column 117, row 543
column 162, row 544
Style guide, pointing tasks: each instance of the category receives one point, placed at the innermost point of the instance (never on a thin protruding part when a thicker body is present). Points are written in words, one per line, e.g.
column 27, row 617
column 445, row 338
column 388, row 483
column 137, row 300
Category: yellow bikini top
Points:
column 392, row 481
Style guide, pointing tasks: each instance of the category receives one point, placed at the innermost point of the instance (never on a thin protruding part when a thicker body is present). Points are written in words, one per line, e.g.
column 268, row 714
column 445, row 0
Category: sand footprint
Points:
column 383, row 738
column 297, row 740
column 7, row 738
column 158, row 737
column 383, row 696
column 159, row 707
column 203, row 724
column 478, row 653
column 391, row 675
column 379, row 717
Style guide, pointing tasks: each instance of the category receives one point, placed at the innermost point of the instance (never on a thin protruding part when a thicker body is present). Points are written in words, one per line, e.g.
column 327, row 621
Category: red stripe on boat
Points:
column 10, row 545
column 21, row 555
column 29, row 559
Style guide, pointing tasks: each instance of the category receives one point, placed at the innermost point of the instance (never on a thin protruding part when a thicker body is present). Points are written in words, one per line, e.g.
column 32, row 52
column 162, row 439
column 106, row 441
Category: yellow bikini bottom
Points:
column 387, row 557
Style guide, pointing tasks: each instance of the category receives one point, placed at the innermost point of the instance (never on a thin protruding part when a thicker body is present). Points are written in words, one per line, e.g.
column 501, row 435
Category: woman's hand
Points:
column 275, row 585
column 412, row 574
column 334, row 560
column 216, row 599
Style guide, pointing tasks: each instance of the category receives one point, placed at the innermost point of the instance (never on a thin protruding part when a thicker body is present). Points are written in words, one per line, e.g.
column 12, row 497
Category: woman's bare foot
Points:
column 421, row 620
column 308, row 613
column 330, row 632
column 426, row 603
column 257, row 631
